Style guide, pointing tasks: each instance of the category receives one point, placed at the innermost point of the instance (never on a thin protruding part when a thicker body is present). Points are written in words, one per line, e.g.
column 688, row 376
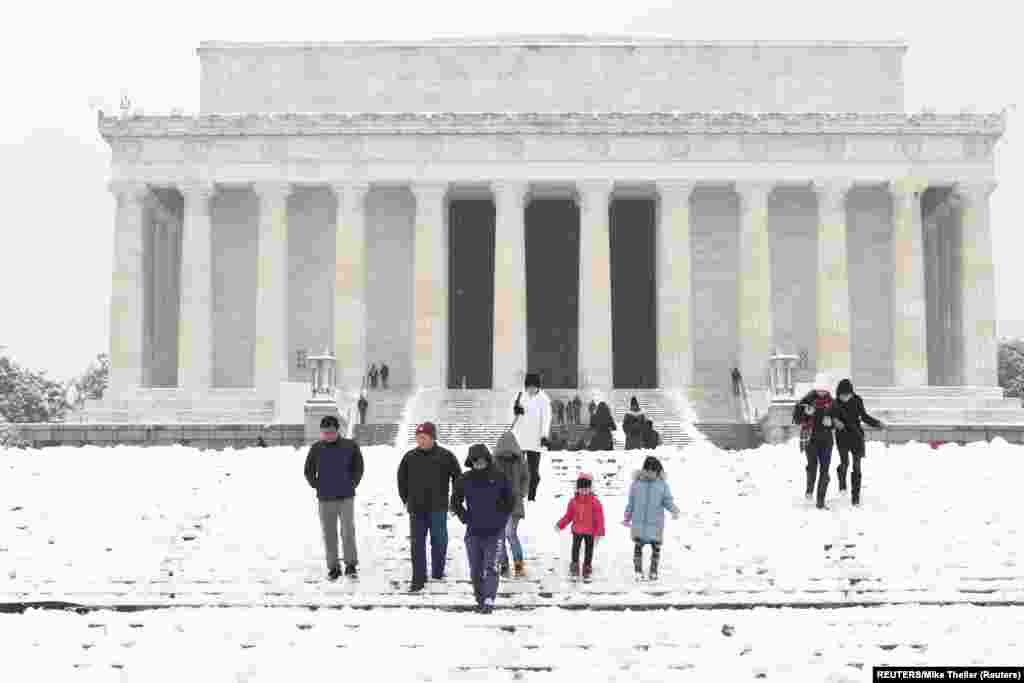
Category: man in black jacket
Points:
column 849, row 411
column 424, row 476
column 334, row 468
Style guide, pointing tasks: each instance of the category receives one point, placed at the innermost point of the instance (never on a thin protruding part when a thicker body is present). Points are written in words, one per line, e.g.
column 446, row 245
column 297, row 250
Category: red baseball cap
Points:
column 427, row 428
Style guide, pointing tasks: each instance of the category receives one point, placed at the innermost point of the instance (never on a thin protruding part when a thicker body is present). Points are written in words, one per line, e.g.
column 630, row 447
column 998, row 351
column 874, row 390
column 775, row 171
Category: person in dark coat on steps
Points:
column 483, row 500
column 849, row 412
column 363, row 404
column 423, row 485
column 334, row 467
column 602, row 425
column 814, row 414
column 634, row 423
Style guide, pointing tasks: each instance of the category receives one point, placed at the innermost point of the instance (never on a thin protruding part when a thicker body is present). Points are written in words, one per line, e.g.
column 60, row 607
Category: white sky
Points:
column 58, row 61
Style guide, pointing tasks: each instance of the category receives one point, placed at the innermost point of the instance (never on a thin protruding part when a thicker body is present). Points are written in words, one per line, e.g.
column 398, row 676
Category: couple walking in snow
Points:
column 819, row 416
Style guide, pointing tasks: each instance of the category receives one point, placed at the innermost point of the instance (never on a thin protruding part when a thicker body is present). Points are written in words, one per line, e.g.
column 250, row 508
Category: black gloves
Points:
column 518, row 409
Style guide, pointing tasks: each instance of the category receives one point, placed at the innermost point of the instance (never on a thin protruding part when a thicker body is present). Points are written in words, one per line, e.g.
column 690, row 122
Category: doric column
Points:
column 595, row 327
column 127, row 292
column 977, row 283
column 509, row 284
column 833, row 291
column 350, row 284
column 754, row 305
column 195, row 321
column 430, row 302
column 909, row 312
column 674, row 288
column 271, row 352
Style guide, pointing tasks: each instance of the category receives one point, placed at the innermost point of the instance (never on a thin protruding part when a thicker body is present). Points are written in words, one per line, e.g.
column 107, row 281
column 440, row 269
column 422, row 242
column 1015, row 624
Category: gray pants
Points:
column 330, row 512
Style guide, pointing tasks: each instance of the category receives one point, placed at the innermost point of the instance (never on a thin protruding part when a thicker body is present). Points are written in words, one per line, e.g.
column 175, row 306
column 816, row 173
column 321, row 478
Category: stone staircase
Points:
column 482, row 416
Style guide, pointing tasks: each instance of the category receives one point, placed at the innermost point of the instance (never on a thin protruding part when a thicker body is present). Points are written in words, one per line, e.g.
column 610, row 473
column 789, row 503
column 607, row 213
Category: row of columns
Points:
column 674, row 285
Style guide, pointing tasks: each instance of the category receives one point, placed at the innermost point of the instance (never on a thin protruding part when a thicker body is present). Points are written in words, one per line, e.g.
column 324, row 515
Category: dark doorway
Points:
column 634, row 319
column 470, row 293
column 552, row 290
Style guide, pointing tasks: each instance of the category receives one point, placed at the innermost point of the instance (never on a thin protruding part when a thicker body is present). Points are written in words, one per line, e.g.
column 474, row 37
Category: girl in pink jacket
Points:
column 587, row 517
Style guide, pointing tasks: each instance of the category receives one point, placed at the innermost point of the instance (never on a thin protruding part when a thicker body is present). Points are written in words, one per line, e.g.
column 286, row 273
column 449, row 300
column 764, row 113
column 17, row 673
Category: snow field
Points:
column 142, row 524
column 175, row 526
column 264, row 644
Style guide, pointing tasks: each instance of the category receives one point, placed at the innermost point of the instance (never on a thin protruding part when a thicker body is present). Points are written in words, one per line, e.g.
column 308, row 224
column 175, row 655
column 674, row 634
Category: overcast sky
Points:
column 61, row 62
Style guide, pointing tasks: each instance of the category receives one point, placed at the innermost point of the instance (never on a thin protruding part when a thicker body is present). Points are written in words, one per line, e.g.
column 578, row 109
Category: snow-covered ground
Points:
column 175, row 527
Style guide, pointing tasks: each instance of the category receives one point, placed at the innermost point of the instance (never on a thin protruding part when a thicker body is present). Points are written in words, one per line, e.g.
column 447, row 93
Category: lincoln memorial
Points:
column 613, row 212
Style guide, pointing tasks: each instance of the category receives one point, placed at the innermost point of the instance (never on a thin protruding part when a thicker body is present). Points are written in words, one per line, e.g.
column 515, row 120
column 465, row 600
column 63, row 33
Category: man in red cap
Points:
column 424, row 478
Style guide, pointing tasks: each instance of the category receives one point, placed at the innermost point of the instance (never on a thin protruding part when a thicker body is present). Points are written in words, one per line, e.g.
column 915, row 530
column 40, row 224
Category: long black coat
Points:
column 602, row 425
column 635, row 426
column 851, row 413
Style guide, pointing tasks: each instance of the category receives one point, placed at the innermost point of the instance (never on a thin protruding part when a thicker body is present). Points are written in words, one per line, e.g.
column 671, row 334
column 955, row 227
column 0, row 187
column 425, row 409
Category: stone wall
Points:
column 235, row 220
column 211, row 436
column 531, row 76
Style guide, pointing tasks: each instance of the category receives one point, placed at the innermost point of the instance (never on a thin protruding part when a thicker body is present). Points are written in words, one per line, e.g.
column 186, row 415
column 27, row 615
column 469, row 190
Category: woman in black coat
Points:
column 849, row 412
column 634, row 423
column 602, row 424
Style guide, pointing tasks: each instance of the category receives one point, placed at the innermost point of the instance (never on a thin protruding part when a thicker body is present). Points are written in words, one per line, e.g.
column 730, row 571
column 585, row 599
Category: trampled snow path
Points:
column 178, row 526
column 130, row 527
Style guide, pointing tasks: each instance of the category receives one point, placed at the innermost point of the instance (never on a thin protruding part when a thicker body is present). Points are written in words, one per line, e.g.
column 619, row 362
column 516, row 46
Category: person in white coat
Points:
column 533, row 426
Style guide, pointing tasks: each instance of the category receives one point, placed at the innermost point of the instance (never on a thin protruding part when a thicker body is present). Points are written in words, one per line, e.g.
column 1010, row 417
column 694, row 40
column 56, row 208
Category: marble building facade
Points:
column 798, row 209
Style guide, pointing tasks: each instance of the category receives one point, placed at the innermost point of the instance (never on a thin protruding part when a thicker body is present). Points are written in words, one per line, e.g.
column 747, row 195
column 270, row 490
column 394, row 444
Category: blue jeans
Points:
column 510, row 539
column 437, row 524
column 481, row 551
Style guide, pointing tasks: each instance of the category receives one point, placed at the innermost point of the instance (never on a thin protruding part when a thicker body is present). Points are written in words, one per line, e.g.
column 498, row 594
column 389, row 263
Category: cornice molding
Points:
column 568, row 123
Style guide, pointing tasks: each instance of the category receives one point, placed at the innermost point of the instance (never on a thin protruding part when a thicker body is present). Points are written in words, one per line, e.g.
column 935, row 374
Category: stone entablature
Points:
column 359, row 139
column 551, row 73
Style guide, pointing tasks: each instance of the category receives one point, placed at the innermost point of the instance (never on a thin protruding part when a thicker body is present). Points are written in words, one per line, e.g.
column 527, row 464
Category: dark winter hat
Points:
column 532, row 380
column 584, row 481
column 634, row 404
column 329, row 422
column 845, row 387
column 652, row 464
column 428, row 429
column 478, row 452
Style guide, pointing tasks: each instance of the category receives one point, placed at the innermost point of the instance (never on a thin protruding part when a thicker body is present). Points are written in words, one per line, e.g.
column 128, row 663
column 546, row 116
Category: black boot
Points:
column 855, row 492
column 574, row 569
column 503, row 570
column 655, row 557
column 351, row 571
column 334, row 573
column 638, row 560
column 822, row 490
